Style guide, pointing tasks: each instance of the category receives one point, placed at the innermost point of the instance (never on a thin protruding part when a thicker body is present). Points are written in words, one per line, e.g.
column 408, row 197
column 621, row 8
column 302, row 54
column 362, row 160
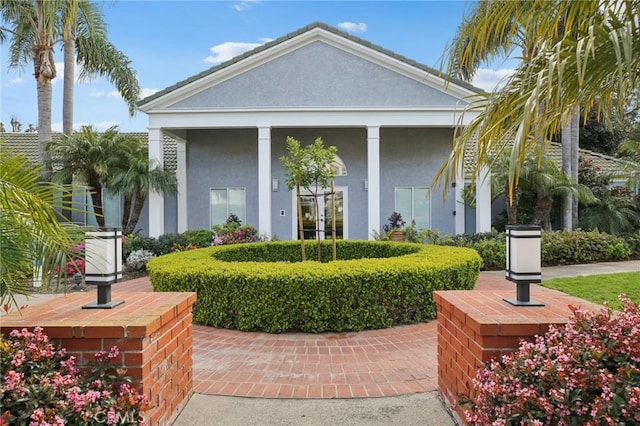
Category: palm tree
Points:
column 36, row 26
column 85, row 40
column 89, row 156
column 541, row 178
column 575, row 68
column 488, row 33
column 612, row 214
column 30, row 232
column 132, row 177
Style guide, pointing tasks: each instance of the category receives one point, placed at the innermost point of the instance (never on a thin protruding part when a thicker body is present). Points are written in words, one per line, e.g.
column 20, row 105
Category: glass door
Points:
column 318, row 223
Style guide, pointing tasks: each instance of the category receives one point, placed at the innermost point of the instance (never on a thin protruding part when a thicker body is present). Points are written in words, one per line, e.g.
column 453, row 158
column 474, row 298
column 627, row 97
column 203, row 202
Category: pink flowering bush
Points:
column 234, row 233
column 41, row 385
column 584, row 373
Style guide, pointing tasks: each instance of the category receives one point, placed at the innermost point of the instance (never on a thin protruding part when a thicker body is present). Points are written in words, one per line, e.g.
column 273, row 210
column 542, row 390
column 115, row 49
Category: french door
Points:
column 319, row 223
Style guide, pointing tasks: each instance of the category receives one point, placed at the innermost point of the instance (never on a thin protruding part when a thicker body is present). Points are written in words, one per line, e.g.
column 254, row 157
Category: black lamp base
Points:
column 516, row 302
column 107, row 305
column 104, row 298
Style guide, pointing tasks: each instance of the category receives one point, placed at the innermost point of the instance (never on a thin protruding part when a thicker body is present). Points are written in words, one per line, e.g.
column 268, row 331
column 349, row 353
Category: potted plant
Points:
column 393, row 228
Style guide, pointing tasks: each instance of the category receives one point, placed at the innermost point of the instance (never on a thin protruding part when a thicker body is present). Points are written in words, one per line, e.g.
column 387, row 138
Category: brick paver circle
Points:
column 389, row 362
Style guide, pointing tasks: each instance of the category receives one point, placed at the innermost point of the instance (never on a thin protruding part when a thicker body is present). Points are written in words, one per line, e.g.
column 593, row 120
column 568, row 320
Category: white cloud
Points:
column 95, row 93
column 15, row 82
column 244, row 5
column 352, row 27
column 59, row 72
column 114, row 94
column 491, row 80
column 231, row 49
column 145, row 91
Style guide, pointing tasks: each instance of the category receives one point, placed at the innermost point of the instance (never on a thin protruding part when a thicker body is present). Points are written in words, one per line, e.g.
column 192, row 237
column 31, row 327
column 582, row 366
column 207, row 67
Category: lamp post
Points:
column 523, row 262
column 103, row 264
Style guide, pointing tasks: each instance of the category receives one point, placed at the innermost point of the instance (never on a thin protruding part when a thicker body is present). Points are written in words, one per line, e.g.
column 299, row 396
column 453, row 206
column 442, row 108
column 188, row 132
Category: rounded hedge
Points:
column 264, row 286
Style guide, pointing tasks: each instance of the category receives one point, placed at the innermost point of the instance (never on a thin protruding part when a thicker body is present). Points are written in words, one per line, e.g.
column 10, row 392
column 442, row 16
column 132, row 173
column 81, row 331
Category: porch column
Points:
column 264, row 180
column 373, row 178
column 181, row 176
column 483, row 200
column 459, row 220
column 156, row 199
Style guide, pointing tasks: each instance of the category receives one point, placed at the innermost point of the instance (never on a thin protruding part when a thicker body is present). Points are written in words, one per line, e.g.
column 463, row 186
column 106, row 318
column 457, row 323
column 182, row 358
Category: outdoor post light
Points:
column 77, row 280
column 103, row 264
column 523, row 261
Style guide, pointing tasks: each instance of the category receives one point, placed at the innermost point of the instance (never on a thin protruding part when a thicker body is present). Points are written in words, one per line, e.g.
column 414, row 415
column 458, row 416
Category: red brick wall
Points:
column 152, row 330
column 476, row 326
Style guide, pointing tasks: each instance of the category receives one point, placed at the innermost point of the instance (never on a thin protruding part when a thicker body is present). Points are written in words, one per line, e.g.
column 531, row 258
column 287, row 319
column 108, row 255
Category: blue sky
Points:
column 169, row 41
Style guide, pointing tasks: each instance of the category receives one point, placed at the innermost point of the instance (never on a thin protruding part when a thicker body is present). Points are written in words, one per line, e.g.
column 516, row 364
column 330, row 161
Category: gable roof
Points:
column 281, row 40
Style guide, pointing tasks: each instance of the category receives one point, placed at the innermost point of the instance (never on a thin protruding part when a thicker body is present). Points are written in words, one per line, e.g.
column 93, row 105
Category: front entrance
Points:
column 319, row 224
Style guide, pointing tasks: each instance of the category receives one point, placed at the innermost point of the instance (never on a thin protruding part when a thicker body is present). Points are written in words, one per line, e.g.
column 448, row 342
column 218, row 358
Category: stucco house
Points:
column 391, row 119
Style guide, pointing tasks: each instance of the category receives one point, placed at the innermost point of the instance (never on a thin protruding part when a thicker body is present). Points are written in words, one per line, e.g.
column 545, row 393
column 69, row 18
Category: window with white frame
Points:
column 227, row 201
column 414, row 203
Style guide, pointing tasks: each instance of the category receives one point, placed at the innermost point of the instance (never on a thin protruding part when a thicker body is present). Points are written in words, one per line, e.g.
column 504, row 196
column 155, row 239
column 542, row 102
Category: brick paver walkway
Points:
column 372, row 363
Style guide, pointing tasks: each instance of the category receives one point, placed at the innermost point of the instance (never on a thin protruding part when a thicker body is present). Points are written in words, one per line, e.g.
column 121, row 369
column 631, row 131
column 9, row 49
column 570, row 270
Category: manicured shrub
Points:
column 198, row 237
column 575, row 247
column 264, row 286
column 42, row 386
column 584, row 373
column 557, row 247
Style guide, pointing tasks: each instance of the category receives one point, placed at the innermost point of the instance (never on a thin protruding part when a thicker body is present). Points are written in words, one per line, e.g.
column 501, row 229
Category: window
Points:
column 227, row 201
column 413, row 203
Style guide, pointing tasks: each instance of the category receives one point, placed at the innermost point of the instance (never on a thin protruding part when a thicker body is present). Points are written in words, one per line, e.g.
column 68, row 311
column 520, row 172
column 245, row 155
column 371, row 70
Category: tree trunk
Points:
column 300, row 224
column 67, row 105
column 96, row 199
column 333, row 220
column 127, row 214
column 138, row 205
column 566, row 206
column 68, row 83
column 575, row 141
column 44, row 71
column 318, row 242
column 512, row 207
column 542, row 212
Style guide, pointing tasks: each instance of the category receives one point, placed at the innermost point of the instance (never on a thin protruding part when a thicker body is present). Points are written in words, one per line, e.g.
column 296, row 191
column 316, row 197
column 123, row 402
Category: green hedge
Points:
column 376, row 285
column 557, row 247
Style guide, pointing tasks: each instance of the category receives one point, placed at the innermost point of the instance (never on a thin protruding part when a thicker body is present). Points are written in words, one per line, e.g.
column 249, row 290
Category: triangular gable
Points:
column 316, row 67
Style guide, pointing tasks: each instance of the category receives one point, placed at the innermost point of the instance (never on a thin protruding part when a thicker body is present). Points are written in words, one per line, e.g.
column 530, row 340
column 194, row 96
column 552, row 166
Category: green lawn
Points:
column 600, row 288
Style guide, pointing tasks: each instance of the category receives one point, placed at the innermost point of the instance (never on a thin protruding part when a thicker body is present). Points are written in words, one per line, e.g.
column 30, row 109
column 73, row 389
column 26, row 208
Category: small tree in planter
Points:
column 308, row 168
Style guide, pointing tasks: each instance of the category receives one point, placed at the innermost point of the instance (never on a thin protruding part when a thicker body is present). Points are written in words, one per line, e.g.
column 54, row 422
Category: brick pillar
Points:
column 476, row 326
column 152, row 330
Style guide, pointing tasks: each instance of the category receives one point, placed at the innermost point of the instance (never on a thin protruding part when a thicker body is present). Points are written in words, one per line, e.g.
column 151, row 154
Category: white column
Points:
column 181, row 176
column 156, row 200
column 264, row 180
column 459, row 200
column 373, row 178
column 483, row 200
